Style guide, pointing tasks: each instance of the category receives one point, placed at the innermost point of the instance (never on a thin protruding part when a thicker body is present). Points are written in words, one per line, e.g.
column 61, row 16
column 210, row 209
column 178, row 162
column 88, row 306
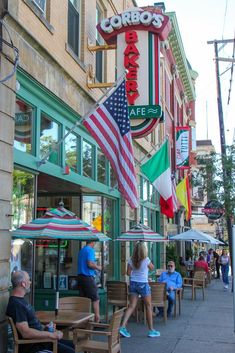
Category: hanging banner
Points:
column 182, row 147
column 138, row 33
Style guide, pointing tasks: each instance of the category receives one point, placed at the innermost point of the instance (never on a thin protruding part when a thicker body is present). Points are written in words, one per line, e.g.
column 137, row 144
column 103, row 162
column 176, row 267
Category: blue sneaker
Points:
column 123, row 331
column 153, row 333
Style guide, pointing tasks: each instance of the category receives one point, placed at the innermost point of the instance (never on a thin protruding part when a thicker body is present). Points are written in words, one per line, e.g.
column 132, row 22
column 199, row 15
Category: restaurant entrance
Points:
column 32, row 199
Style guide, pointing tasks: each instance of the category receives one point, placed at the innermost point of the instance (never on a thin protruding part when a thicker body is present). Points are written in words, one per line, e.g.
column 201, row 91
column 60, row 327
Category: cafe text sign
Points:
column 138, row 33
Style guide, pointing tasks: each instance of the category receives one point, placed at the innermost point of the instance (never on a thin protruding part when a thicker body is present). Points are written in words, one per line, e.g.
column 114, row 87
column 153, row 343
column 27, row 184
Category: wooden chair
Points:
column 158, row 298
column 80, row 304
column 197, row 282
column 18, row 341
column 117, row 295
column 188, row 283
column 111, row 345
column 207, row 275
column 178, row 296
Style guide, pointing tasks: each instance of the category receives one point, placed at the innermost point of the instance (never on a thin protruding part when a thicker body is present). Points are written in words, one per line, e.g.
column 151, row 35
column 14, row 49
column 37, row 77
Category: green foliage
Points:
column 216, row 176
column 171, row 255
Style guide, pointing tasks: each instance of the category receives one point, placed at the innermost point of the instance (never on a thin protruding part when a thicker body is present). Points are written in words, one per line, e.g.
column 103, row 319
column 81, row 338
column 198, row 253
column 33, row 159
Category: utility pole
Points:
column 222, row 132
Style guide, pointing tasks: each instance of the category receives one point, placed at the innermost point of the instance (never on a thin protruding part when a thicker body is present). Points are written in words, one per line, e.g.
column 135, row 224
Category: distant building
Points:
column 199, row 198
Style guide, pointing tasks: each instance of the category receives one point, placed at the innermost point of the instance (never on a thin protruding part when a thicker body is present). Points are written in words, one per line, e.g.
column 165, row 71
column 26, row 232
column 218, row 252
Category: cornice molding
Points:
column 176, row 44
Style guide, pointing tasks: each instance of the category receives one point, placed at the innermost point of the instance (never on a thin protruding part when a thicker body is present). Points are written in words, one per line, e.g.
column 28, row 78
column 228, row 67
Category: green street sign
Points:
column 144, row 111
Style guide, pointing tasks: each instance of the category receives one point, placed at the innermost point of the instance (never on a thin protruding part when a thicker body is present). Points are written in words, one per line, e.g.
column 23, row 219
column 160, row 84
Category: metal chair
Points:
column 18, row 341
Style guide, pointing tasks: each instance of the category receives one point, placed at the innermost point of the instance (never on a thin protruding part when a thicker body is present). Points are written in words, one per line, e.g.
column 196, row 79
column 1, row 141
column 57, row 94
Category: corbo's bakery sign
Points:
column 138, row 33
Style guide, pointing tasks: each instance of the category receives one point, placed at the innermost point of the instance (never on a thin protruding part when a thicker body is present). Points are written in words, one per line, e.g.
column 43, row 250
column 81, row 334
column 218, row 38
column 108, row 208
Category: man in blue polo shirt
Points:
column 173, row 281
column 86, row 276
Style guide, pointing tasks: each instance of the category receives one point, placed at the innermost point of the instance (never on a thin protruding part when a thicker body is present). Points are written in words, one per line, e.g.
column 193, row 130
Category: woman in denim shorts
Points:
column 138, row 268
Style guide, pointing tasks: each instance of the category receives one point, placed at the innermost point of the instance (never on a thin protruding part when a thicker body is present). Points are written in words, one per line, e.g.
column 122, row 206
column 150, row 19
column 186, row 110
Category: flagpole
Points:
column 55, row 147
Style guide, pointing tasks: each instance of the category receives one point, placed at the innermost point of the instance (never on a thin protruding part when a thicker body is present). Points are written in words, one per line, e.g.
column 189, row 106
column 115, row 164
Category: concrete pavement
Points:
column 203, row 327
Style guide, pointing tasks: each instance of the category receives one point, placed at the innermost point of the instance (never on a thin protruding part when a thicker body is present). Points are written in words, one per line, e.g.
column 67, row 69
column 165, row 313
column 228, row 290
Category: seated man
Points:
column 201, row 263
column 173, row 281
column 28, row 326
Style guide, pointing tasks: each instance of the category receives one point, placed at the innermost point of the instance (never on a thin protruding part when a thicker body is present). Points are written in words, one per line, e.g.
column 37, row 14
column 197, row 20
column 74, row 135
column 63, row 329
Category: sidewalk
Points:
column 204, row 326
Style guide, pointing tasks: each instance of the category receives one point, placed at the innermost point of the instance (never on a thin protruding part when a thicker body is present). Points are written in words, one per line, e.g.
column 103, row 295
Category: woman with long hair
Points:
column 224, row 263
column 138, row 266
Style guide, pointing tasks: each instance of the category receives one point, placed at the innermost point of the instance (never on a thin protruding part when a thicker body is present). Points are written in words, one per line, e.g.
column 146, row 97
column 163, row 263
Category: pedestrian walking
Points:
column 224, row 263
column 217, row 264
column 138, row 266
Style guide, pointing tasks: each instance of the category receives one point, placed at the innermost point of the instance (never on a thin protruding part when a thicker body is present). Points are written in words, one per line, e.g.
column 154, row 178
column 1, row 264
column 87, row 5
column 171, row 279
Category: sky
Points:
column 201, row 21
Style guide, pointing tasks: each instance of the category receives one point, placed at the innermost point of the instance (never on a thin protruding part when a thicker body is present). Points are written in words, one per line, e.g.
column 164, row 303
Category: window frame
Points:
column 77, row 12
column 100, row 53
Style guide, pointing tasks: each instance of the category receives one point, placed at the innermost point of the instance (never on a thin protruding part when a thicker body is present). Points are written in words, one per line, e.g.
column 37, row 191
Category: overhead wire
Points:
column 231, row 77
column 16, row 53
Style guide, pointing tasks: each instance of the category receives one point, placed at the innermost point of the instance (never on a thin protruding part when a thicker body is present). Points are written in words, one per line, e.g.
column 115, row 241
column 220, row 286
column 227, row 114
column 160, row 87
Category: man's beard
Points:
column 27, row 290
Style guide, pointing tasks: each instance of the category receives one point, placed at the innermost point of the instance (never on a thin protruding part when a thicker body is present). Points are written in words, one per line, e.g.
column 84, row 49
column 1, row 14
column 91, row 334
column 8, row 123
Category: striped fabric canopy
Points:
column 140, row 232
column 59, row 223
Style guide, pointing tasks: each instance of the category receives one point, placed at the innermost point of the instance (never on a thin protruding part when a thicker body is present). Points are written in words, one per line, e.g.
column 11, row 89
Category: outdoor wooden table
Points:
column 64, row 319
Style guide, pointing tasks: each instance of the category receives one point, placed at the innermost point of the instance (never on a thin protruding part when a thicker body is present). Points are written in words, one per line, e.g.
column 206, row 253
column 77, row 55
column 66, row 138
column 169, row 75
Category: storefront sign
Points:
column 213, row 210
column 138, row 33
column 182, row 147
column 145, row 111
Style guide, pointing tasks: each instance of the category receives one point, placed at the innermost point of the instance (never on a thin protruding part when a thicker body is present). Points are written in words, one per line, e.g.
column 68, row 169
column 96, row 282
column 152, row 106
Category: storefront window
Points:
column 23, row 126
column 145, row 190
column 47, row 250
column 101, row 163
column 145, row 216
column 71, row 151
column 49, row 137
column 23, row 211
column 23, row 197
column 87, row 159
column 92, row 214
column 108, row 247
column 113, row 179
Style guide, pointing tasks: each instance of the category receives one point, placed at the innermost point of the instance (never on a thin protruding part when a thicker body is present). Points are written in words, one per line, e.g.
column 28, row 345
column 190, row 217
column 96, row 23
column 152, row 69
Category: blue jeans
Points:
column 224, row 270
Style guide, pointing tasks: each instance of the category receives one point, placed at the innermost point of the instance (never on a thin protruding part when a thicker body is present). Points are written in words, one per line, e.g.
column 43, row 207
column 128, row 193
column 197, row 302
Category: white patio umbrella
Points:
column 195, row 235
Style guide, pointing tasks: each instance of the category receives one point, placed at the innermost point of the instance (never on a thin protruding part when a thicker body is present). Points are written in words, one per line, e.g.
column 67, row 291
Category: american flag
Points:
column 109, row 125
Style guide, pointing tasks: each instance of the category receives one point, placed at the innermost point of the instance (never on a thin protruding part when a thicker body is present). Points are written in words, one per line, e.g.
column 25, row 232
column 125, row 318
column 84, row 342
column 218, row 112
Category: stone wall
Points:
column 7, row 112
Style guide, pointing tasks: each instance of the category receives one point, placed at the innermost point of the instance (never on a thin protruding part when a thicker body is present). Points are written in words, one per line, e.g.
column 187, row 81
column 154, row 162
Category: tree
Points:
column 216, row 175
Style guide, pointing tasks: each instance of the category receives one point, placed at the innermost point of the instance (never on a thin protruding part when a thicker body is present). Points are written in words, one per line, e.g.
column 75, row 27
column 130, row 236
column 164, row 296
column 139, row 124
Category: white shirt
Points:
column 140, row 274
column 224, row 260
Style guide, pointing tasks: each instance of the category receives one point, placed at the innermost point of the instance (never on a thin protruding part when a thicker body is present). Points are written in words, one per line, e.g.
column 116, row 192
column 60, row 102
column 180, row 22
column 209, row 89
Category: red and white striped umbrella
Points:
column 59, row 223
column 140, row 232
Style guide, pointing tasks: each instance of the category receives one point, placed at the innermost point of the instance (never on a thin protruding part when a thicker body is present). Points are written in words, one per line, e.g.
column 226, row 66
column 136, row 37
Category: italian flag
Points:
column 157, row 170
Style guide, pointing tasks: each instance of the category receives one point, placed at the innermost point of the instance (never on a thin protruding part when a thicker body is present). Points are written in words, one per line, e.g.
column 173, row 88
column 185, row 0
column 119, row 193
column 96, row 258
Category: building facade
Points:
column 52, row 89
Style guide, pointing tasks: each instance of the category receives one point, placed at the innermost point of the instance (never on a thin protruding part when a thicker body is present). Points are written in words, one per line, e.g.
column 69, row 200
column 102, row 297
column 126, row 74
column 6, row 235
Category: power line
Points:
column 225, row 14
